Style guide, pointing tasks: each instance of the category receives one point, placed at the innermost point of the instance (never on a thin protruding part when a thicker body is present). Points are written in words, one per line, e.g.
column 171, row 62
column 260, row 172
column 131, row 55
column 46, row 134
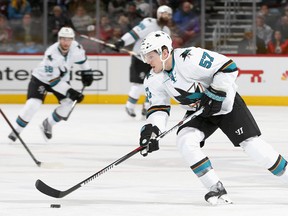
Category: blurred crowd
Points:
column 271, row 30
column 22, row 23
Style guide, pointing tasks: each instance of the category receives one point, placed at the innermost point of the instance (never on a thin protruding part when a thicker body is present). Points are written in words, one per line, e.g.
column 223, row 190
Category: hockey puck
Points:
column 55, row 206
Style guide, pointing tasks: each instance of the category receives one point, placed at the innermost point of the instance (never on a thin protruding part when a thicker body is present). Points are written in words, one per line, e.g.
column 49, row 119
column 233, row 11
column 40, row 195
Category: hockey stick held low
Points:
column 38, row 163
column 46, row 189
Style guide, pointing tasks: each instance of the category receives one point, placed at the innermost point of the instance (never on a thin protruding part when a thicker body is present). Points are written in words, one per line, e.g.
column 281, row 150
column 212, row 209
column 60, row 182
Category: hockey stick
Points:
column 46, row 189
column 38, row 163
column 74, row 104
column 112, row 46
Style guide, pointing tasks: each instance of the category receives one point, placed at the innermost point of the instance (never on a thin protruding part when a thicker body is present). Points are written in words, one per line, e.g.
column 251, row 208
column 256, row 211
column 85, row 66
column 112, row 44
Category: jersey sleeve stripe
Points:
column 134, row 35
column 158, row 108
column 228, row 67
column 54, row 82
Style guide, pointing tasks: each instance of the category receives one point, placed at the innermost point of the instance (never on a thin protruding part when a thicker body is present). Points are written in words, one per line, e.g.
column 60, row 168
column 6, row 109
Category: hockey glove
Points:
column 87, row 77
column 118, row 45
column 148, row 139
column 74, row 95
column 212, row 101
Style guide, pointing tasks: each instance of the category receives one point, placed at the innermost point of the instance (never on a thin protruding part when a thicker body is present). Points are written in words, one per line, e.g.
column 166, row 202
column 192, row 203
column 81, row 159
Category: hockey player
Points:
column 52, row 75
column 195, row 78
column 138, row 69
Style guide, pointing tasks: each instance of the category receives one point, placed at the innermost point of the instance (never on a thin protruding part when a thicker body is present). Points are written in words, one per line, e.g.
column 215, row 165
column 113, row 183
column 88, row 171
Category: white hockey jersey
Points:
column 193, row 70
column 55, row 68
column 140, row 31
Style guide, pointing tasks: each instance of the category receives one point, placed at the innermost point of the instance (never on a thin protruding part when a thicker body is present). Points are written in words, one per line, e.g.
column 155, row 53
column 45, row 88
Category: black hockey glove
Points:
column 74, row 95
column 87, row 77
column 212, row 101
column 118, row 45
column 147, row 139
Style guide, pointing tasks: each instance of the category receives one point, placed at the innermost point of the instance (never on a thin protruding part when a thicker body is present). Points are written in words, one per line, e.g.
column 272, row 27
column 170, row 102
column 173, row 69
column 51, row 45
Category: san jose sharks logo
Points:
column 63, row 72
column 191, row 96
column 185, row 54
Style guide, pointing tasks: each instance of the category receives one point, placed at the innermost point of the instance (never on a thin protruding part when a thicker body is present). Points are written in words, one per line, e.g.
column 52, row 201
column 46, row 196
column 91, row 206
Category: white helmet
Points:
column 66, row 32
column 155, row 41
column 163, row 9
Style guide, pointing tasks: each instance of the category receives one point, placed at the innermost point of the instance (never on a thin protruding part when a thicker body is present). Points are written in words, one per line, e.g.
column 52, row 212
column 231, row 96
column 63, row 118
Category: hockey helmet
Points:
column 154, row 42
column 66, row 32
column 163, row 9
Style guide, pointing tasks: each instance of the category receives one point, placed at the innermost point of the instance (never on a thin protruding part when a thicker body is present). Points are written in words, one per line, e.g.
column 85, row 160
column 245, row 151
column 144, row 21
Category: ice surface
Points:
column 160, row 184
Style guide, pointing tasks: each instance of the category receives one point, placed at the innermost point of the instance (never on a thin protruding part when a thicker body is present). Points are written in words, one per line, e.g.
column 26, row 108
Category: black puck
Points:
column 55, row 206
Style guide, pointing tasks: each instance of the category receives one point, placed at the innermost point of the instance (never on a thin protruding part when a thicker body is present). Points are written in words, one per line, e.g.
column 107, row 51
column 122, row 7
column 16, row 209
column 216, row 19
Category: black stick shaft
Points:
column 18, row 136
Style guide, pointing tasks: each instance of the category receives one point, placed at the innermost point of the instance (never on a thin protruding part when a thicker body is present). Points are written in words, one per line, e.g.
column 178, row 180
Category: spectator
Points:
column 282, row 23
column 5, row 30
column 277, row 45
column 88, row 45
column 133, row 15
column 124, row 23
column 106, row 28
column 72, row 6
column 263, row 30
column 4, row 7
column 116, row 36
column 177, row 40
column 188, row 23
column 270, row 15
column 28, row 35
column 56, row 21
column 90, row 7
column 17, row 9
column 282, row 26
column 116, row 7
column 81, row 20
column 246, row 46
column 5, row 34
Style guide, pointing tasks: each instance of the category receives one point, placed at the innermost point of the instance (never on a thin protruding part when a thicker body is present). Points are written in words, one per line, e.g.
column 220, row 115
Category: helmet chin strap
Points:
column 164, row 61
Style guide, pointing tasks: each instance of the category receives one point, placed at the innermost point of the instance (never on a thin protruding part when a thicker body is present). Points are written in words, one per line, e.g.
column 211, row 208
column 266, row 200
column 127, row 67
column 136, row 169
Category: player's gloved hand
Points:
column 212, row 101
column 74, row 95
column 118, row 45
column 148, row 139
column 87, row 77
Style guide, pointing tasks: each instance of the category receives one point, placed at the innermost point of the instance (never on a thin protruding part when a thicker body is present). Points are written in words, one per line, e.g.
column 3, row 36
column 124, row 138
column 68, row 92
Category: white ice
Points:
column 160, row 184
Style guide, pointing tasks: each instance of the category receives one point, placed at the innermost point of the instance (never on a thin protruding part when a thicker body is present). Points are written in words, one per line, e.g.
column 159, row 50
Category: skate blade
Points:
column 224, row 199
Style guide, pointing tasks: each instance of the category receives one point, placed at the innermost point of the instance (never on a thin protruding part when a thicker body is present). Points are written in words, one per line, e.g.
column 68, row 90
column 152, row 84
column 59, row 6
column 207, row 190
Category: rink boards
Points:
column 262, row 80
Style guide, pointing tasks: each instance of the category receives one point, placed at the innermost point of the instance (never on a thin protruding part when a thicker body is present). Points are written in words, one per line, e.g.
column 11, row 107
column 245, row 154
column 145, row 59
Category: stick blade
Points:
column 45, row 189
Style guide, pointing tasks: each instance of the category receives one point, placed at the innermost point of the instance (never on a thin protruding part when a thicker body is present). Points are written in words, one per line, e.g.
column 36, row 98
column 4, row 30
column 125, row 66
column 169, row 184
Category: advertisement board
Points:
column 261, row 79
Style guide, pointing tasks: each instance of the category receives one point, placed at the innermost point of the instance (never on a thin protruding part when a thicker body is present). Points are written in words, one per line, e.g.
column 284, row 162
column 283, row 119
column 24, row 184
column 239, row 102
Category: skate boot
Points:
column 46, row 129
column 12, row 136
column 217, row 194
column 130, row 112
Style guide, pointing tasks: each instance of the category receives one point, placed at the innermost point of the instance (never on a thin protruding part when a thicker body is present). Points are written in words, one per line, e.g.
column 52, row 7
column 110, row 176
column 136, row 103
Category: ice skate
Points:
column 46, row 129
column 130, row 112
column 12, row 136
column 217, row 195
